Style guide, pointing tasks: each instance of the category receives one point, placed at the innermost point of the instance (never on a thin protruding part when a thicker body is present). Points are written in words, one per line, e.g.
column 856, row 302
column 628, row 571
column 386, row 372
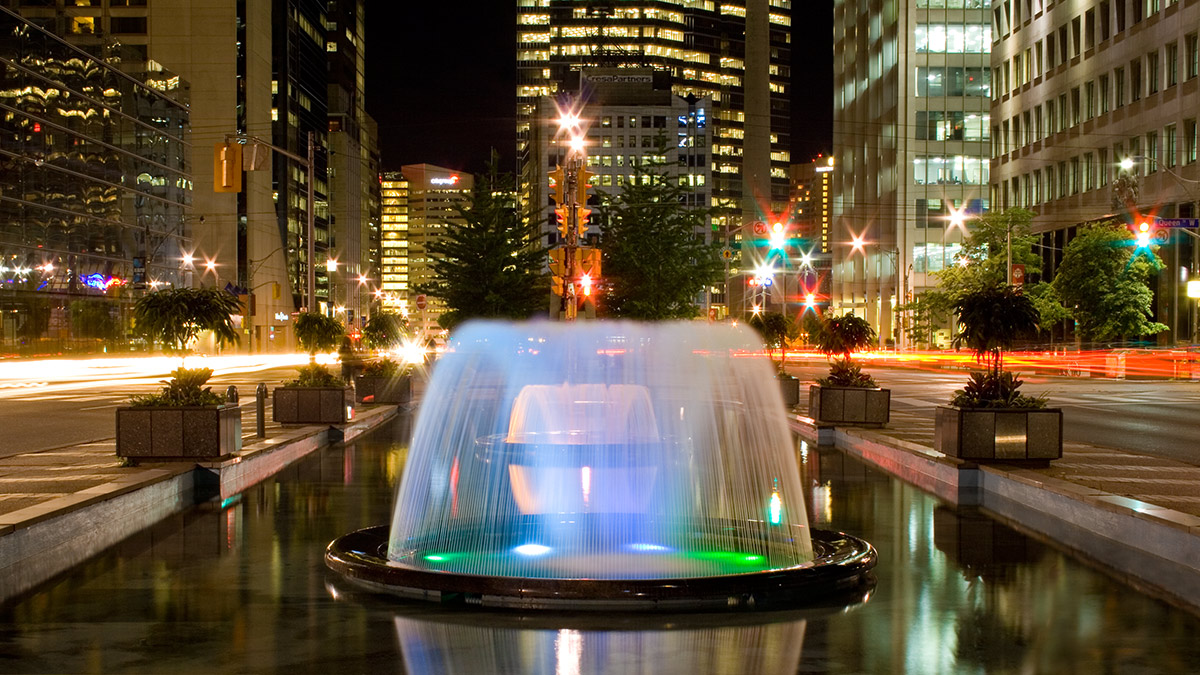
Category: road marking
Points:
column 102, row 407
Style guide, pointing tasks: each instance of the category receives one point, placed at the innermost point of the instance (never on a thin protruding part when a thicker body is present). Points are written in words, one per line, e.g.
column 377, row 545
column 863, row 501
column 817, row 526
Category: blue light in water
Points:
column 532, row 549
column 648, row 548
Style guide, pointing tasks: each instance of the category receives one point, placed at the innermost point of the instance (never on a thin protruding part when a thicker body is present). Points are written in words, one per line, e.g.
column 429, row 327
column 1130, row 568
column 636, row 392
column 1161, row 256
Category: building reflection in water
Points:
column 687, row 645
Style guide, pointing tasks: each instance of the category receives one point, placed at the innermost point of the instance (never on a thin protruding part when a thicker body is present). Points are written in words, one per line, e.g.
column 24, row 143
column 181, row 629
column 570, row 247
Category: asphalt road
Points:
column 1153, row 417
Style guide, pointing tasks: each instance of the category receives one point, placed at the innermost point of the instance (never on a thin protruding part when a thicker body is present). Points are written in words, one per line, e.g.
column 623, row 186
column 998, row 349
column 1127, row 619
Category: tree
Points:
column 656, row 260
column 317, row 332
column 1103, row 279
column 841, row 336
column 384, row 330
column 984, row 255
column 991, row 320
column 175, row 316
column 776, row 329
column 490, row 265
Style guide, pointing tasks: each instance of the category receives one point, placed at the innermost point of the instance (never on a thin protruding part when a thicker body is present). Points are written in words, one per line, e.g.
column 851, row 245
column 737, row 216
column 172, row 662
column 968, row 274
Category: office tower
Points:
column 434, row 193
column 393, row 243
column 737, row 54
column 94, row 187
column 812, row 224
column 1096, row 98
column 353, row 164
column 264, row 70
column 912, row 89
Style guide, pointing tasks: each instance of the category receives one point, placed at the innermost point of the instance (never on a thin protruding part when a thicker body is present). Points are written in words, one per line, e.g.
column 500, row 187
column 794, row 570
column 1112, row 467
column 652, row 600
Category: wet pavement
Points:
column 240, row 586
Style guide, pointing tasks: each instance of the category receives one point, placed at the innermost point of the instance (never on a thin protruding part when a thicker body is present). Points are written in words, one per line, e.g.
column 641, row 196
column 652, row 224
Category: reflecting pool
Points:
column 242, row 587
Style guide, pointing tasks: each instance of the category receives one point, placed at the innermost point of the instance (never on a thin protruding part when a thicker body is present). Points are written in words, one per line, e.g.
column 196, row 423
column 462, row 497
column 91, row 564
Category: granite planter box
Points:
column 999, row 434
column 312, row 405
column 389, row 390
column 790, row 388
column 179, row 433
column 850, row 406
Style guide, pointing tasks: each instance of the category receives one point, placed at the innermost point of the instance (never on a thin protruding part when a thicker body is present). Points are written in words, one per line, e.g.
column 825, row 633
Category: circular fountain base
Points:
column 841, row 563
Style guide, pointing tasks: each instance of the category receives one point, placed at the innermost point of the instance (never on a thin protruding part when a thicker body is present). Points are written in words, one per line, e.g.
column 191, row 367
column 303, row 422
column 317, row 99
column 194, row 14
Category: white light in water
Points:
column 648, row 548
column 568, row 652
column 532, row 549
column 585, row 482
column 776, row 508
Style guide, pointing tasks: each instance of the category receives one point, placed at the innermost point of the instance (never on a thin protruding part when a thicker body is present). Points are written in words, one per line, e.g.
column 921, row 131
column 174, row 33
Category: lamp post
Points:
column 571, row 195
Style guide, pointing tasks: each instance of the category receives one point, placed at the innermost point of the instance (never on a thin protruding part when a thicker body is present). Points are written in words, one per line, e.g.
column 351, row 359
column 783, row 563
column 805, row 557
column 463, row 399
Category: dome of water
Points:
column 601, row 451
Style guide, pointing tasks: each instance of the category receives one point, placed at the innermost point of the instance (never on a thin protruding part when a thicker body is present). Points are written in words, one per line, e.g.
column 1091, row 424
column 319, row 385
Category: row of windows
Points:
column 953, row 4
column 955, row 170
column 953, row 38
column 953, row 125
column 1008, row 16
column 1097, row 97
column 953, row 81
column 1147, row 75
column 1093, row 170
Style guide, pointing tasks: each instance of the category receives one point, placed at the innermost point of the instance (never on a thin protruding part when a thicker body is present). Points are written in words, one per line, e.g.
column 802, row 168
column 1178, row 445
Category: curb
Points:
column 1154, row 548
column 41, row 541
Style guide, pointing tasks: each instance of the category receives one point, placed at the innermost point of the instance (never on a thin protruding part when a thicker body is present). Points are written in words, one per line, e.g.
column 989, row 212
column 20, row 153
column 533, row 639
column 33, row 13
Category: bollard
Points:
column 231, row 394
column 260, row 410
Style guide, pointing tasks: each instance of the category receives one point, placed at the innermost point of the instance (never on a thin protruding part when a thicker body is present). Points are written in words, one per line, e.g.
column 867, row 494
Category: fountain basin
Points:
column 741, row 580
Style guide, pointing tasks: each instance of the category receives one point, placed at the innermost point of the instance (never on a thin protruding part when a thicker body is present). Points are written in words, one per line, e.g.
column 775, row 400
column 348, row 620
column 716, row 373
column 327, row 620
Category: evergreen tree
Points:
column 1103, row 278
column 656, row 261
column 490, row 265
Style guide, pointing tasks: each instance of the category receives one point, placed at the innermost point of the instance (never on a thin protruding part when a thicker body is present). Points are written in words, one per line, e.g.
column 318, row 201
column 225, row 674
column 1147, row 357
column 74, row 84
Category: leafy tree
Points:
column 991, row 320
column 316, row 332
column 1049, row 306
column 175, row 316
column 655, row 258
column 384, row 330
column 776, row 329
column 490, row 265
column 1103, row 279
column 985, row 252
column 841, row 336
column 926, row 311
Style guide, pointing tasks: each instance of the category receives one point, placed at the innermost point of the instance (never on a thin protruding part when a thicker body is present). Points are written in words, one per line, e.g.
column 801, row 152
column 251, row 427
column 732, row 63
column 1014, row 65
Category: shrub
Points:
column 384, row 367
column 841, row 336
column 315, row 375
column 185, row 388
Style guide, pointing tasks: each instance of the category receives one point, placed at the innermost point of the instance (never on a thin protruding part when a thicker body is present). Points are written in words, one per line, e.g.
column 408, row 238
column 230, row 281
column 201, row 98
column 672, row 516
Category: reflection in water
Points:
column 243, row 589
column 435, row 648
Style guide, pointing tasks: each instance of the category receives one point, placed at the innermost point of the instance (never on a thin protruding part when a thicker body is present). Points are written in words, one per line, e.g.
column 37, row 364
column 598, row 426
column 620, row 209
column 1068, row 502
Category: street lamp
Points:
column 570, row 193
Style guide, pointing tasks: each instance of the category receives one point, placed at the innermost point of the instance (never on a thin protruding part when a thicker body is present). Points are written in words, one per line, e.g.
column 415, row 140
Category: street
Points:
column 1154, row 417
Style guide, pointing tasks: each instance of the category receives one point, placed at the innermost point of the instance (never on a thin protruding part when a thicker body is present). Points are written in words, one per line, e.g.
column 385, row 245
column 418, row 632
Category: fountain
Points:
column 603, row 465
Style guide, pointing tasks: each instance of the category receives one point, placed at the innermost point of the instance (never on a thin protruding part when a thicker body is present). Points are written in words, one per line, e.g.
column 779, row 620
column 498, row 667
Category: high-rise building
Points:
column 912, row 91
column 94, row 188
column 736, row 54
column 394, row 289
column 281, row 71
column 434, row 193
column 810, row 232
column 1081, row 88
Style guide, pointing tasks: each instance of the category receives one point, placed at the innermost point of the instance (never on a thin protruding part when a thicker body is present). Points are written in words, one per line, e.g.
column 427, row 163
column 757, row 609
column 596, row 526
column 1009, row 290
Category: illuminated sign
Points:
column 452, row 180
column 99, row 281
column 281, row 316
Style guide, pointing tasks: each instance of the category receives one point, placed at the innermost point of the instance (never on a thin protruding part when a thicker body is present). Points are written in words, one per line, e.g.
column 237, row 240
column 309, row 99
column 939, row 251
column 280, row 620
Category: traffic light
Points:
column 582, row 213
column 564, row 222
column 227, row 167
column 559, row 176
column 1143, row 235
column 582, row 185
column 777, row 236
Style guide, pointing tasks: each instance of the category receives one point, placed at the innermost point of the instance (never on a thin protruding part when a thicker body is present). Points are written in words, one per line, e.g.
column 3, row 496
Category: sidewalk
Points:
column 1137, row 516
column 59, row 507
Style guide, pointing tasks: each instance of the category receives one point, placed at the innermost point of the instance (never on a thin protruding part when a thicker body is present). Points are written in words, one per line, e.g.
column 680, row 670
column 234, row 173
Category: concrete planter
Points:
column 169, row 433
column 389, row 390
column 850, row 406
column 312, row 405
column 790, row 388
column 999, row 434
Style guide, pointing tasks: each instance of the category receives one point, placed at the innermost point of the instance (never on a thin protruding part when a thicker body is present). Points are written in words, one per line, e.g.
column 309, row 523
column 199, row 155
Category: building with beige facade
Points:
column 1085, row 94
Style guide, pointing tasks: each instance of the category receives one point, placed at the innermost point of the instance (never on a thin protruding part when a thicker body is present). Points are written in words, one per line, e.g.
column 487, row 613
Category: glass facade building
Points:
column 94, row 186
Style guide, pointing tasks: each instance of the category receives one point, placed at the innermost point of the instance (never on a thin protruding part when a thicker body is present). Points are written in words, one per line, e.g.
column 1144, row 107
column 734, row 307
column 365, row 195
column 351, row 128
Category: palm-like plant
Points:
column 776, row 329
column 840, row 336
column 318, row 333
column 991, row 320
column 175, row 316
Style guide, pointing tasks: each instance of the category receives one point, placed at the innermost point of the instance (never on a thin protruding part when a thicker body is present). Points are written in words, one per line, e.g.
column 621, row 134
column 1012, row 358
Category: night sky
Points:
column 441, row 80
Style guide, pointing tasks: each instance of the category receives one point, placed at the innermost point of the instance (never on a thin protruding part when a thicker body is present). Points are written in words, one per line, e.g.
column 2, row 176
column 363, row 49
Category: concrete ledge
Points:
column 41, row 541
column 1153, row 548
